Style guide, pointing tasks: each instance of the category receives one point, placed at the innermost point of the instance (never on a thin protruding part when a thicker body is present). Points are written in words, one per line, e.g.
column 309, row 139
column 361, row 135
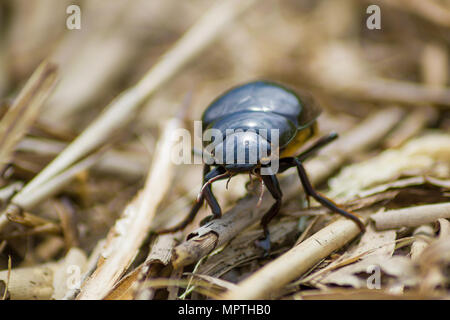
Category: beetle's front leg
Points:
column 273, row 186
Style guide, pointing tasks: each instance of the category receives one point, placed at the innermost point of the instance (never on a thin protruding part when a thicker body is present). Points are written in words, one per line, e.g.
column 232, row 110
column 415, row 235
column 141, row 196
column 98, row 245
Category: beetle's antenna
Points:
column 207, row 183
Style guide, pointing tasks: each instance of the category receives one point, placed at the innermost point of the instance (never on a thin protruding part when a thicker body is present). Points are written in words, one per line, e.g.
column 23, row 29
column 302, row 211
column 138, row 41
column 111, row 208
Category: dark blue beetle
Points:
column 245, row 116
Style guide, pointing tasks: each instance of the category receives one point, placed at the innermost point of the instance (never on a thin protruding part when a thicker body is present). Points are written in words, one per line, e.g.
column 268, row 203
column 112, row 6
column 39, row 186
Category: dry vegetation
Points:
column 85, row 140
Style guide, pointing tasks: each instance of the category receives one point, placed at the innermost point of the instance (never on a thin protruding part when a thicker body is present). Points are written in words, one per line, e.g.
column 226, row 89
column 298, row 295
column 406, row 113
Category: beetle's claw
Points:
column 264, row 244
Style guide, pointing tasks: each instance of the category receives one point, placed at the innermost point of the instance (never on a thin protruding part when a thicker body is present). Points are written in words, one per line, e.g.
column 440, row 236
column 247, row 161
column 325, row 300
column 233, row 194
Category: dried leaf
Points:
column 419, row 155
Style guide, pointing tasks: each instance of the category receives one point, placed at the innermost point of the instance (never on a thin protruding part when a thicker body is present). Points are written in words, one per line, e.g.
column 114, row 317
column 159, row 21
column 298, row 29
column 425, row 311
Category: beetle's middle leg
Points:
column 273, row 186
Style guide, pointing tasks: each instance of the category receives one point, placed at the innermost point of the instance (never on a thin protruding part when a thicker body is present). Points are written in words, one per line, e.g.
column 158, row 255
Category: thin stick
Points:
column 159, row 257
column 48, row 189
column 219, row 231
column 411, row 217
column 295, row 262
column 130, row 231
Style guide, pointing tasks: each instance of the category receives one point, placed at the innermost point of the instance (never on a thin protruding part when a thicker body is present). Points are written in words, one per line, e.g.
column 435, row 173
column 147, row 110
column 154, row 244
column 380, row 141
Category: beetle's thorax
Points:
column 241, row 151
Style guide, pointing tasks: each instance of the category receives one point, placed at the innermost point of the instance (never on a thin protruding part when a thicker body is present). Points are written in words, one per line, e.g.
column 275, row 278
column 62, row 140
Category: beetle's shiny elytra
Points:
column 241, row 114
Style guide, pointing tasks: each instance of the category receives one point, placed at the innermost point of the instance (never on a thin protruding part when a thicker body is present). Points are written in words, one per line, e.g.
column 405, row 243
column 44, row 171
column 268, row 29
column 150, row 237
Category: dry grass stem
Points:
column 128, row 164
column 399, row 91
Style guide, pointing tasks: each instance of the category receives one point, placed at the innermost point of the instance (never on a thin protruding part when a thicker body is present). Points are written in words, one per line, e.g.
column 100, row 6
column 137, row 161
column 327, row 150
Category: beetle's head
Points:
column 242, row 151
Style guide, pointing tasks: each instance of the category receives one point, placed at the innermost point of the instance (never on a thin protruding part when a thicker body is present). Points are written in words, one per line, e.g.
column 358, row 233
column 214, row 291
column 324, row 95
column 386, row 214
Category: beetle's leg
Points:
column 206, row 169
column 194, row 210
column 273, row 186
column 321, row 198
column 287, row 163
column 284, row 164
column 208, row 195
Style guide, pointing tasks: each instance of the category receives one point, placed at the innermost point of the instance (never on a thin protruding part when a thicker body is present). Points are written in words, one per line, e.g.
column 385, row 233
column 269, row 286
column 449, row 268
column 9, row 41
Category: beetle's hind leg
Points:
column 273, row 186
column 321, row 198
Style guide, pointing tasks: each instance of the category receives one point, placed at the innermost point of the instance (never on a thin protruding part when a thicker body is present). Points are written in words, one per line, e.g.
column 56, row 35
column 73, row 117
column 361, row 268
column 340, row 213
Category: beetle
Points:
column 241, row 114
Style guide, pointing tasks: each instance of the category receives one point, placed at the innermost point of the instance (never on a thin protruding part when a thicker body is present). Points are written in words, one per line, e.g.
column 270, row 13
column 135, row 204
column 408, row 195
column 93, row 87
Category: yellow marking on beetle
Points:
column 299, row 140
